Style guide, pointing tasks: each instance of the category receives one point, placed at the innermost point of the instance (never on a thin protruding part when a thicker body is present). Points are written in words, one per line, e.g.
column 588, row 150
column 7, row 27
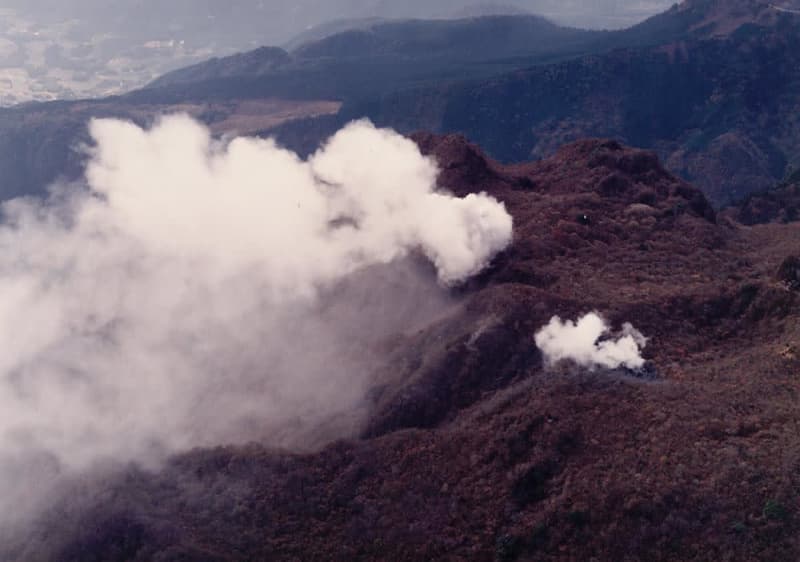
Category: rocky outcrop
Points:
column 789, row 272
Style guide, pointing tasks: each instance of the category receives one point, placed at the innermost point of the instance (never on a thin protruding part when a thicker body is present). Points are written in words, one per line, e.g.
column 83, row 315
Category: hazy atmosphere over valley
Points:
column 370, row 280
column 84, row 48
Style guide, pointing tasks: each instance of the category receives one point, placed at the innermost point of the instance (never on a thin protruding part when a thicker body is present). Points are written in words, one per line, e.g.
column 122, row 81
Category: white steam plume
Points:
column 583, row 343
column 176, row 302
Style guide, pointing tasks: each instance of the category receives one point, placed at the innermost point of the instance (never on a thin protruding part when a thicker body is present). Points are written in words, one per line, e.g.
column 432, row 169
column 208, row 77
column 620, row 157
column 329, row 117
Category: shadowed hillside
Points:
column 718, row 111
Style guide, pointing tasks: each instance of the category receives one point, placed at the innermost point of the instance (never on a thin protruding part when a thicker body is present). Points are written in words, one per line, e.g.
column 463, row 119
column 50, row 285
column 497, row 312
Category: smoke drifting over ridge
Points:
column 202, row 292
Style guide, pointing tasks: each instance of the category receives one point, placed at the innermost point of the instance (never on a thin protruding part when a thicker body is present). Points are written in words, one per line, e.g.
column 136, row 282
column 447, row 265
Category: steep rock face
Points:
column 714, row 92
column 475, row 450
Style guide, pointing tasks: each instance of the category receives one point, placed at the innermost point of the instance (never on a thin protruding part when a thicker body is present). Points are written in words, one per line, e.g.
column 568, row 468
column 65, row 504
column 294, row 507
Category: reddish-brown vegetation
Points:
column 476, row 452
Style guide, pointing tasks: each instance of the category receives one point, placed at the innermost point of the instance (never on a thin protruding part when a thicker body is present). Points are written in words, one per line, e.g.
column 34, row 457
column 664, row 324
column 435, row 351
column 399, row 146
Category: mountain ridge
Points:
column 477, row 449
column 713, row 95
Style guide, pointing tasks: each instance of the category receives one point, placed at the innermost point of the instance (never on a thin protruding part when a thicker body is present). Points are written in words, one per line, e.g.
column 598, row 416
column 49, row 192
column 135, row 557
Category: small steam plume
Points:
column 583, row 343
column 197, row 292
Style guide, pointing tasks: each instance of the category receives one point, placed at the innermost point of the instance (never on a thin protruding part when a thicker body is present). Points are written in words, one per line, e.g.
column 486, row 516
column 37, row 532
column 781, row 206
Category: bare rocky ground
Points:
column 476, row 451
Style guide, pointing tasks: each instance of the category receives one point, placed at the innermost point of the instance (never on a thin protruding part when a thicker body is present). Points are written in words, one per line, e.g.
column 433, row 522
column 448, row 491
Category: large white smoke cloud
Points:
column 176, row 302
column 582, row 342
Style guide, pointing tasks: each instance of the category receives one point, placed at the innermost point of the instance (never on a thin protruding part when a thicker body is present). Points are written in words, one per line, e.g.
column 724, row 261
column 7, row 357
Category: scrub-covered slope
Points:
column 478, row 449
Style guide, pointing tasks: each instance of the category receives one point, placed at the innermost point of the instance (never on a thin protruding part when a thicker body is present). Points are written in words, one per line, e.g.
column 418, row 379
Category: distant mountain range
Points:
column 395, row 54
column 711, row 85
column 718, row 103
column 88, row 48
